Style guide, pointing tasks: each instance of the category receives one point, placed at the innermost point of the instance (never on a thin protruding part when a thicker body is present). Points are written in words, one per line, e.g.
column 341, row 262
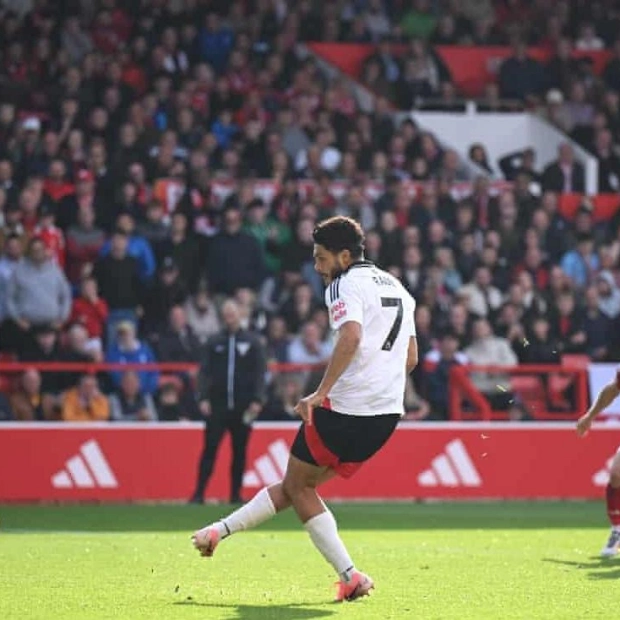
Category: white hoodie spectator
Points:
column 202, row 316
column 489, row 350
column 609, row 294
column 482, row 296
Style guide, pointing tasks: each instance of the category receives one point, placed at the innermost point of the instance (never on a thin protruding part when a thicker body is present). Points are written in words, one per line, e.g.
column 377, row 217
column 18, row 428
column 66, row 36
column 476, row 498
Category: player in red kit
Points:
column 604, row 398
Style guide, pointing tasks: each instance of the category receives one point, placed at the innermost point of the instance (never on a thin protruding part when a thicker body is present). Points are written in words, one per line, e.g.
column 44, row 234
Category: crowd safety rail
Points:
column 169, row 371
column 536, row 391
column 162, row 367
column 540, row 391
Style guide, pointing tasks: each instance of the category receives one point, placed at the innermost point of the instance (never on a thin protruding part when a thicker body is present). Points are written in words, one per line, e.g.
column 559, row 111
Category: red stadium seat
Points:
column 576, row 360
column 531, row 391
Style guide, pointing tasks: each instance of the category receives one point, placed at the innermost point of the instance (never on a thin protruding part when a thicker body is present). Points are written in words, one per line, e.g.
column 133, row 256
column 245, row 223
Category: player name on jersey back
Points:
column 374, row 382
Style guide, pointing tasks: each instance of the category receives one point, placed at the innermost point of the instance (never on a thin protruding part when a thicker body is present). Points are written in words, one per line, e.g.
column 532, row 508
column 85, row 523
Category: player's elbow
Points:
column 412, row 355
column 412, row 362
column 350, row 335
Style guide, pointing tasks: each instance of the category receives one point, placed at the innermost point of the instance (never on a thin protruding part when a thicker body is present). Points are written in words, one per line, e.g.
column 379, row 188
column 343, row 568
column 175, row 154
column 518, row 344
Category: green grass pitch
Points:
column 438, row 561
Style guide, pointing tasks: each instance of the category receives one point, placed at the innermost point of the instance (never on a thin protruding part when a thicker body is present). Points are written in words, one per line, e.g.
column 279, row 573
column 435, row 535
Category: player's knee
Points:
column 293, row 487
column 290, row 488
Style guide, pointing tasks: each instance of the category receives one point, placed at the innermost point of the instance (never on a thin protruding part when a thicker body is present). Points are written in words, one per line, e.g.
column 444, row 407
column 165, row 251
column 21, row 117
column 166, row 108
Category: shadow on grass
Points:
column 597, row 567
column 361, row 516
column 258, row 612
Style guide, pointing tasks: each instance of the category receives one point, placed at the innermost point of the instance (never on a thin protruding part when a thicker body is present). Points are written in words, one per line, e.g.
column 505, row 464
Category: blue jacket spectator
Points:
column 224, row 129
column 215, row 42
column 138, row 247
column 581, row 264
column 129, row 350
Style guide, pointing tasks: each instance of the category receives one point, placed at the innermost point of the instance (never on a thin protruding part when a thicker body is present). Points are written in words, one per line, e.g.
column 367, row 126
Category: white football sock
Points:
column 259, row 509
column 324, row 534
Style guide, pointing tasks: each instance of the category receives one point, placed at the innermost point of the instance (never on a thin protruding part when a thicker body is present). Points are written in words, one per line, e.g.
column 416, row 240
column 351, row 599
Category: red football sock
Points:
column 613, row 505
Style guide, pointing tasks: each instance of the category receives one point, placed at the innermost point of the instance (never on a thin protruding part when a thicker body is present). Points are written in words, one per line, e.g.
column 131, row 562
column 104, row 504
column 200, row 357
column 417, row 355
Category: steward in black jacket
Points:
column 232, row 395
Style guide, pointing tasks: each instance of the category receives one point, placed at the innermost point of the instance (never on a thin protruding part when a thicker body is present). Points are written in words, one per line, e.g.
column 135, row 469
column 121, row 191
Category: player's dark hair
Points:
column 340, row 233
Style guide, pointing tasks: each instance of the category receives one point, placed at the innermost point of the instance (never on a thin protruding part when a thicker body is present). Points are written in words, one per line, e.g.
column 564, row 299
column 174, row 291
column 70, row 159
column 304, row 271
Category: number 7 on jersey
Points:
column 393, row 302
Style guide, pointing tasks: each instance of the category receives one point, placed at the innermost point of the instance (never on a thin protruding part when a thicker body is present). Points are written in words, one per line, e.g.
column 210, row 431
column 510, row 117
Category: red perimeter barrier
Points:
column 471, row 67
column 131, row 462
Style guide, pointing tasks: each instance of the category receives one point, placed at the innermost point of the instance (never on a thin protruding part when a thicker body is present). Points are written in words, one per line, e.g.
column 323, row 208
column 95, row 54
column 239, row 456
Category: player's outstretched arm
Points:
column 604, row 398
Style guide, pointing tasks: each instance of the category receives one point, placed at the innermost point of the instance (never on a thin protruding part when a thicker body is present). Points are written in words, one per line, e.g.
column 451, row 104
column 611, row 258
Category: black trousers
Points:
column 13, row 339
column 217, row 424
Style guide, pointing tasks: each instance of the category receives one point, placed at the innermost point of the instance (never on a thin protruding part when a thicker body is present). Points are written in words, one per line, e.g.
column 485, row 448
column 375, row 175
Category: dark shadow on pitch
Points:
column 267, row 612
column 596, row 566
column 362, row 516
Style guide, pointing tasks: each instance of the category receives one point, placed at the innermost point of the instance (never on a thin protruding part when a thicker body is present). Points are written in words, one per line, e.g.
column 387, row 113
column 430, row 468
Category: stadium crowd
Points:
column 118, row 123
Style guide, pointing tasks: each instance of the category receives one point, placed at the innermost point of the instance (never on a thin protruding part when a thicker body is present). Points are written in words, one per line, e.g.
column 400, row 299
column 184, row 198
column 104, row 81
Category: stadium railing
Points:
column 543, row 392
column 183, row 375
column 540, row 391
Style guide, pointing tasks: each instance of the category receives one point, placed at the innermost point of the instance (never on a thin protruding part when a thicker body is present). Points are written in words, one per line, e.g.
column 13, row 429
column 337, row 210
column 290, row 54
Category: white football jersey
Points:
column 374, row 382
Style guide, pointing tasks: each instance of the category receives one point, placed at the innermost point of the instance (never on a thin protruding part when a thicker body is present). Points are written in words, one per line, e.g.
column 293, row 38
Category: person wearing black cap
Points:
column 231, row 397
column 182, row 245
column 168, row 290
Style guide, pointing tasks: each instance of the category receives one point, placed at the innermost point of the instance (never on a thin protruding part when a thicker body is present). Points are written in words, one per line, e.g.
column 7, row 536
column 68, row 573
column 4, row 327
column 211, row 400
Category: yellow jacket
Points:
column 75, row 410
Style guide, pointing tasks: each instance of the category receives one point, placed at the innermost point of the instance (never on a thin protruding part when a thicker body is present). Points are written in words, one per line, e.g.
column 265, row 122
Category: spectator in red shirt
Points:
column 90, row 311
column 111, row 30
column 534, row 263
column 53, row 238
column 56, row 185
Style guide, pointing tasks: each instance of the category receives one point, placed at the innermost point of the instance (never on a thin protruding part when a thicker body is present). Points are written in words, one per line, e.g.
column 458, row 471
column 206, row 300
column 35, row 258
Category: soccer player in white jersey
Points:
column 354, row 410
column 605, row 397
